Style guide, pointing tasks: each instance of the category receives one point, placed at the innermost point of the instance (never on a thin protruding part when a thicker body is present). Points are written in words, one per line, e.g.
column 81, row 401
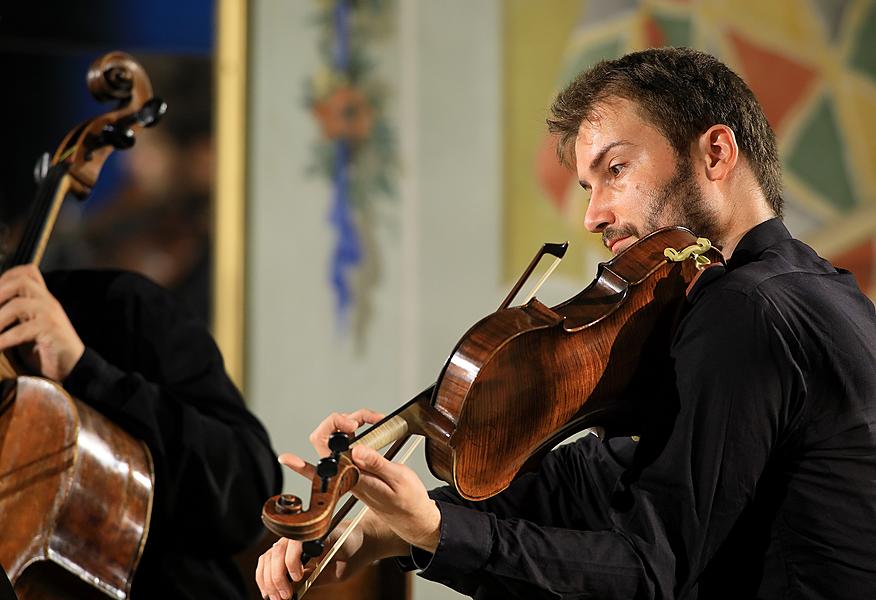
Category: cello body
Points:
column 75, row 491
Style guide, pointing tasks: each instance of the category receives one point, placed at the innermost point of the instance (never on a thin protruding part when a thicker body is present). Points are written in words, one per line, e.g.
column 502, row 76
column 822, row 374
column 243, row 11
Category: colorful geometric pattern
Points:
column 812, row 65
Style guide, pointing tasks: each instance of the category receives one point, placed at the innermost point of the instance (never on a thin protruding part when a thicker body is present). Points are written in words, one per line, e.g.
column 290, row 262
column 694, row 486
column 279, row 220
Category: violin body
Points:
column 524, row 378
column 75, row 490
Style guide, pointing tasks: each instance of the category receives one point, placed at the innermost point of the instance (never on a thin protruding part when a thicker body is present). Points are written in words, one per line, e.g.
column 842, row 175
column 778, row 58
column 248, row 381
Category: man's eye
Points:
column 616, row 169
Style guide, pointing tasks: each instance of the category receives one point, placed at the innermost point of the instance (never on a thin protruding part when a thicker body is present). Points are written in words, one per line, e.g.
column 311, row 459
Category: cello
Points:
column 523, row 379
column 75, row 489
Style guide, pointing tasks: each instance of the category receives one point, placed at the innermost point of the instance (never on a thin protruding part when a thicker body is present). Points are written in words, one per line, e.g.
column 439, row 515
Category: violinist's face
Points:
column 636, row 181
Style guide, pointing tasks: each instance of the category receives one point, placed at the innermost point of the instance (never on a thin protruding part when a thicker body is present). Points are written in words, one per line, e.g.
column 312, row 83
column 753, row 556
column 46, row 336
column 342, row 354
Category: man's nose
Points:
column 598, row 215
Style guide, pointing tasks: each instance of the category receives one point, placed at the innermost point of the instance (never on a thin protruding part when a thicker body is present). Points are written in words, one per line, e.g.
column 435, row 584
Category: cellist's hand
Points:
column 392, row 491
column 29, row 314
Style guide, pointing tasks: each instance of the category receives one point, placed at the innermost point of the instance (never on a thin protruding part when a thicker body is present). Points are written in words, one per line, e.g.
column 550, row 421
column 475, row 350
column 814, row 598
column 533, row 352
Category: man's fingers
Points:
column 277, row 567
column 364, row 415
column 20, row 334
column 372, row 462
column 260, row 577
column 297, row 464
column 24, row 281
column 292, row 558
column 346, row 422
column 19, row 308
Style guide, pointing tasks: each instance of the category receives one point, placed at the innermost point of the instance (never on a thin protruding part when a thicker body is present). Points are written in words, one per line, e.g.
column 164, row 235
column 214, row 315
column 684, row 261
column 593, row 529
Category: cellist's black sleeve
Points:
column 153, row 368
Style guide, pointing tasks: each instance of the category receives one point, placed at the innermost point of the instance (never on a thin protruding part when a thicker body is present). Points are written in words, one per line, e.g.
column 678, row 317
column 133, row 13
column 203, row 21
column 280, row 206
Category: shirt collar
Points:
column 759, row 238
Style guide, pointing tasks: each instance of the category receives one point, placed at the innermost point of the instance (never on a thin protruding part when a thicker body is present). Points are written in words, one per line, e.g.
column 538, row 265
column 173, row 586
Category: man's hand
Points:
column 400, row 515
column 372, row 540
column 31, row 316
column 397, row 496
column 392, row 491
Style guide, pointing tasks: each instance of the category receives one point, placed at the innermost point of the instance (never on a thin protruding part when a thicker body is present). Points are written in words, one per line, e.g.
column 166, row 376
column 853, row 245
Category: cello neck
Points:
column 52, row 191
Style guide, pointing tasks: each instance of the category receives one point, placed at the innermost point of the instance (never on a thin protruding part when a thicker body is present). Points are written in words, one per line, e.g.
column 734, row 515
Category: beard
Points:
column 678, row 201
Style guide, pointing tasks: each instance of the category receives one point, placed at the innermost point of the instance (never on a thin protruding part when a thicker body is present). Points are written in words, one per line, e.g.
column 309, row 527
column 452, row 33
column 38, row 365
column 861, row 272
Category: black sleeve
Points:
column 155, row 370
column 583, row 526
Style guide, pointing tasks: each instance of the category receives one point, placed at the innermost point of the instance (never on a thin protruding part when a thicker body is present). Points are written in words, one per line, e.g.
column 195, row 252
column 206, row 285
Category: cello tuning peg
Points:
column 120, row 138
column 151, row 112
column 339, row 442
column 41, row 168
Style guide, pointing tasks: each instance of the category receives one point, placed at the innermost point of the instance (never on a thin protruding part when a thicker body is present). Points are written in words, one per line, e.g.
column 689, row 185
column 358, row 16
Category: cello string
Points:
column 353, row 524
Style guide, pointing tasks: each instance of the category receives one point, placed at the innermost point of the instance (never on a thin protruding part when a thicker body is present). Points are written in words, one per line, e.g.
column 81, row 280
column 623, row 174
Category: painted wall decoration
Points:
column 356, row 150
column 811, row 63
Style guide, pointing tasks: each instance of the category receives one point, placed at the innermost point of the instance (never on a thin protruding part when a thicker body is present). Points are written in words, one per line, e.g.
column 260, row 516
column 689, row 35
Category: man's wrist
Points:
column 429, row 542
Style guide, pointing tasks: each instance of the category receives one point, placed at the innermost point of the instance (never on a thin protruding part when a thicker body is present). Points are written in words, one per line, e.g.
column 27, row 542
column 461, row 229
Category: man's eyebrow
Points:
column 600, row 156
column 605, row 149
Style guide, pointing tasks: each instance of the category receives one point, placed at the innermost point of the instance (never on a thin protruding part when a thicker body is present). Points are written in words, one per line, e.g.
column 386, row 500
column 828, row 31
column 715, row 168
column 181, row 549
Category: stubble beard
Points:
column 680, row 201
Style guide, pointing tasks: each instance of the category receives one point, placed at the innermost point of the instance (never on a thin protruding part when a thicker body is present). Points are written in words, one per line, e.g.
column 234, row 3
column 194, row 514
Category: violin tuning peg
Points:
column 311, row 549
column 327, row 467
column 288, row 504
column 339, row 442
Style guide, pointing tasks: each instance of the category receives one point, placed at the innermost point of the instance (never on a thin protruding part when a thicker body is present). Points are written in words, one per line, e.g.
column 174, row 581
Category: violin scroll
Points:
column 283, row 515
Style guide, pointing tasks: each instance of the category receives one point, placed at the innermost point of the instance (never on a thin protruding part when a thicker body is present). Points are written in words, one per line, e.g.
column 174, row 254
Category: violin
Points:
column 75, row 489
column 523, row 379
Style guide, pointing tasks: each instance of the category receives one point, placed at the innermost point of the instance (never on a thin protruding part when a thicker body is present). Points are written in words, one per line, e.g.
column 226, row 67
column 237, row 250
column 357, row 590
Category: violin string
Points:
column 541, row 281
column 353, row 524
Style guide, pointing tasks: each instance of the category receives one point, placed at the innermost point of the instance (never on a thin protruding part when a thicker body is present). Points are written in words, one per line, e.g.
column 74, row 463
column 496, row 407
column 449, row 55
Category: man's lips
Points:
column 613, row 243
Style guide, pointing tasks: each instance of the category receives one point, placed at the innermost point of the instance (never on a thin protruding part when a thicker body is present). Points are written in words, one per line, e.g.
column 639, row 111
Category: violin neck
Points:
column 417, row 417
column 384, row 433
column 43, row 213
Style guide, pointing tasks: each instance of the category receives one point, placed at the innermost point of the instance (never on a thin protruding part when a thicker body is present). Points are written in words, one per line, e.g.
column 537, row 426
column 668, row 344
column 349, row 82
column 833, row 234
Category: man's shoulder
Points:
column 790, row 266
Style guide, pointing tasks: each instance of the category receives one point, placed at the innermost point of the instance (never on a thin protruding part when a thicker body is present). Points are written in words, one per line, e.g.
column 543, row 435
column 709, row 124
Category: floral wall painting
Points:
column 355, row 151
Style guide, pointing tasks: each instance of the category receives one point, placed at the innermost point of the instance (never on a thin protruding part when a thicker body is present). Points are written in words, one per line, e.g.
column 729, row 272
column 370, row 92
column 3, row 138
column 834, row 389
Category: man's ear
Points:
column 718, row 151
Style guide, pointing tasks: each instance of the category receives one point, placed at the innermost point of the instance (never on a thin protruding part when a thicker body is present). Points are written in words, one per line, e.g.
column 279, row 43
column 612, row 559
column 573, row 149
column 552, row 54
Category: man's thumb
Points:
column 369, row 459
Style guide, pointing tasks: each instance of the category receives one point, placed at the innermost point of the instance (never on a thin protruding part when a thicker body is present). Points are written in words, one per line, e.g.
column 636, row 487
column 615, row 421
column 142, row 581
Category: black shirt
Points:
column 152, row 368
column 763, row 486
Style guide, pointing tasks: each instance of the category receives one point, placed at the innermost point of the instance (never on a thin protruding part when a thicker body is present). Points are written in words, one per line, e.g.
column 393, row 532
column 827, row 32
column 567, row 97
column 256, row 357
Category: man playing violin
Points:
column 763, row 483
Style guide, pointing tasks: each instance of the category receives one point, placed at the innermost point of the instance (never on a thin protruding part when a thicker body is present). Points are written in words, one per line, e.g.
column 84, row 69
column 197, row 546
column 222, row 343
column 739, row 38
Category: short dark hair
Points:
column 682, row 92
